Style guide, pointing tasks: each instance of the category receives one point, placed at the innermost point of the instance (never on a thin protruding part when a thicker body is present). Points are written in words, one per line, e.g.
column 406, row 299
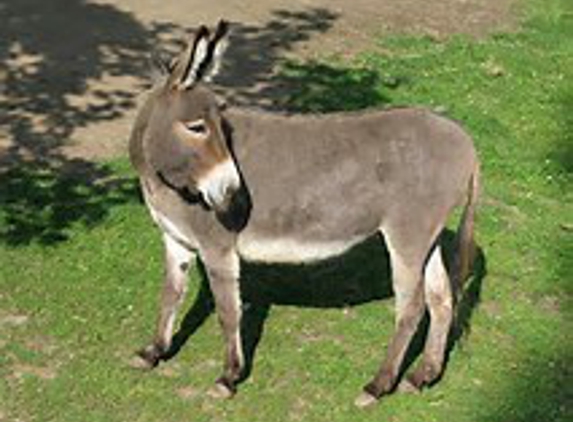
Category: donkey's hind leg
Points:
column 438, row 294
column 177, row 261
column 407, row 266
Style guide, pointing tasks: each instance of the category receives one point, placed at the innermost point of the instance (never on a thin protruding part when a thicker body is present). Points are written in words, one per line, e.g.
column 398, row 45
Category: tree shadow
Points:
column 258, row 70
column 40, row 203
column 51, row 52
column 562, row 152
column 57, row 59
column 539, row 393
column 66, row 64
column 562, row 155
column 360, row 276
column 317, row 87
column 250, row 73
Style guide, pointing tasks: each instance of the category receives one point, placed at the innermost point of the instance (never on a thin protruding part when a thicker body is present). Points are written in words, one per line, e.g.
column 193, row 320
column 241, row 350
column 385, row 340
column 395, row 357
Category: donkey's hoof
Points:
column 407, row 387
column 138, row 362
column 220, row 392
column 146, row 359
column 365, row 400
column 424, row 375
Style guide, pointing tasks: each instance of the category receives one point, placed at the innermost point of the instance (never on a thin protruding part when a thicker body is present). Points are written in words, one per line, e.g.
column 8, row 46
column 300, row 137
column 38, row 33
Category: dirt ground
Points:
column 352, row 25
column 72, row 70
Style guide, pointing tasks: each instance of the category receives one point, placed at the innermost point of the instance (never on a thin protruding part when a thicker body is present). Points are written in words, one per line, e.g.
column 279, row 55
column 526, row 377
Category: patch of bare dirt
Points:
column 12, row 320
column 19, row 371
column 71, row 71
column 550, row 305
column 309, row 336
column 40, row 344
column 298, row 409
column 188, row 393
column 13, row 327
column 492, row 308
column 354, row 25
column 169, row 370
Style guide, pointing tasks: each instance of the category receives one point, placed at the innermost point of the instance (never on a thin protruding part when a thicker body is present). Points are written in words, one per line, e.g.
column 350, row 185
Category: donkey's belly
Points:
column 290, row 250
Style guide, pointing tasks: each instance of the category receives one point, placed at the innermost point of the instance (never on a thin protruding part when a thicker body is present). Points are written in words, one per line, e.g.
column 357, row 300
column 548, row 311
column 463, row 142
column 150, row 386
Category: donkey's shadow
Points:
column 360, row 276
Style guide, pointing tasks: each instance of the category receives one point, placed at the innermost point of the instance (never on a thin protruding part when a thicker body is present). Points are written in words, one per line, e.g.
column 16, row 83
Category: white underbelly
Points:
column 286, row 250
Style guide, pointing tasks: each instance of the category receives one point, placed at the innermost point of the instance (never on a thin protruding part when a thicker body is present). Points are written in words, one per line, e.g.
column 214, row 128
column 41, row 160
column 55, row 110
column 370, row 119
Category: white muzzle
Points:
column 218, row 185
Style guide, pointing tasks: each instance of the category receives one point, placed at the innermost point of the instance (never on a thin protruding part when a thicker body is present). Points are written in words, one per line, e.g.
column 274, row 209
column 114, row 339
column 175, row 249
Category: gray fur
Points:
column 310, row 187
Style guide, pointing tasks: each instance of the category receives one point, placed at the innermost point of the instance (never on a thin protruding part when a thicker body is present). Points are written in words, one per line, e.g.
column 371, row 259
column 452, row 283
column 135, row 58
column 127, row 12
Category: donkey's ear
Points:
column 186, row 71
column 217, row 47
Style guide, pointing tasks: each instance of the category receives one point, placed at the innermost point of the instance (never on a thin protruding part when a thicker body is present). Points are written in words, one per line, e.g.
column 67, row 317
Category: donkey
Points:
column 231, row 185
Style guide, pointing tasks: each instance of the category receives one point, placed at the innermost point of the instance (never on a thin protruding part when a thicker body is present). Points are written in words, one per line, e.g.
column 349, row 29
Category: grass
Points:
column 80, row 264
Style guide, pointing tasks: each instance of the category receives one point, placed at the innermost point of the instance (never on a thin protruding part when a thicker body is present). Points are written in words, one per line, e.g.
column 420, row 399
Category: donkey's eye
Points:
column 197, row 127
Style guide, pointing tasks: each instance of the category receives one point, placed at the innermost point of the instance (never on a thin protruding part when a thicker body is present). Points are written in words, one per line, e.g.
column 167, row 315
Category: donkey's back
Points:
column 336, row 179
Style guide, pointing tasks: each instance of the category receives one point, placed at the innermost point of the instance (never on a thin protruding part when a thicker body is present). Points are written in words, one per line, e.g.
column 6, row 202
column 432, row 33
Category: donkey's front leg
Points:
column 177, row 262
column 223, row 268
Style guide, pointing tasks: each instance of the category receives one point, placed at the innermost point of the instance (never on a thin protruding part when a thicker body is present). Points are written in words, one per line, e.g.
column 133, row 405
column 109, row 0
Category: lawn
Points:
column 80, row 264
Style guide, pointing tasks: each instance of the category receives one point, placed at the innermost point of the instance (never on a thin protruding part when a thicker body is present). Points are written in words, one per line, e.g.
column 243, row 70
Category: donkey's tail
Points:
column 465, row 246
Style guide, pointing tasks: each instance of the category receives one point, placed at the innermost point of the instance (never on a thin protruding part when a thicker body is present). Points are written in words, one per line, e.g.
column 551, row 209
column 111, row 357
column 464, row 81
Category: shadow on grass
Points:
column 360, row 276
column 538, row 394
column 56, row 60
column 320, row 88
column 563, row 150
column 39, row 203
column 541, row 393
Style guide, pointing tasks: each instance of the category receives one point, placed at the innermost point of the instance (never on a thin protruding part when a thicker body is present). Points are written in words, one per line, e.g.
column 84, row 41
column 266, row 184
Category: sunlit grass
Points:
column 73, row 310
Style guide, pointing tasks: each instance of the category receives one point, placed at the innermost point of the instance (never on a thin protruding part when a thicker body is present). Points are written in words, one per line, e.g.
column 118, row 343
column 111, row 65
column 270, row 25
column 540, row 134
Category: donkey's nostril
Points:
column 219, row 199
column 229, row 192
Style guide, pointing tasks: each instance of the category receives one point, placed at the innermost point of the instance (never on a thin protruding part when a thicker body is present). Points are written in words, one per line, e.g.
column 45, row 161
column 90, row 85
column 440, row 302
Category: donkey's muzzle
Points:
column 219, row 185
column 224, row 201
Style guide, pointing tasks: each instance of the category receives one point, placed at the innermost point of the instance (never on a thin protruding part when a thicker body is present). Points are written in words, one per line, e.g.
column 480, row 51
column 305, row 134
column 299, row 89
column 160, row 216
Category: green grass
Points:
column 80, row 264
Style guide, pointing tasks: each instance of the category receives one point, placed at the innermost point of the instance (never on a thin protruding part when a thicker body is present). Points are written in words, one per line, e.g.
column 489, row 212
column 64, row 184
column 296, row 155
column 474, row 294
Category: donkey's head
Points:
column 186, row 142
